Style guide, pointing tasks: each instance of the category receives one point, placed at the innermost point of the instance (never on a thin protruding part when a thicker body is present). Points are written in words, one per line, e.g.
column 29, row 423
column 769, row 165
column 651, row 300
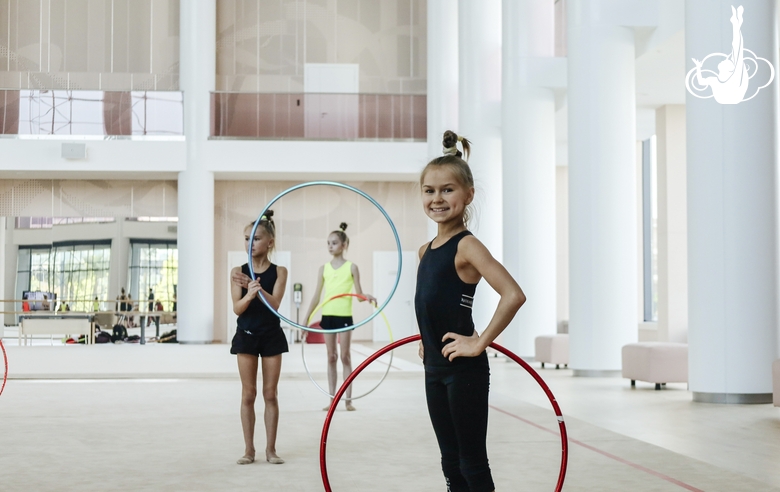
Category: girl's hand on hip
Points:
column 460, row 346
column 421, row 351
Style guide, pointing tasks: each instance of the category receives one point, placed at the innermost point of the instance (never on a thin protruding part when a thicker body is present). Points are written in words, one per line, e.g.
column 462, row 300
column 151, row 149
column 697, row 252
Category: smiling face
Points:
column 261, row 243
column 335, row 245
column 445, row 198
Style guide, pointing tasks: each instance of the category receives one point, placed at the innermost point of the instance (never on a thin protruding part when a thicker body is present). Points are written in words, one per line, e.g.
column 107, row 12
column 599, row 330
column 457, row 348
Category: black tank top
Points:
column 257, row 318
column 443, row 304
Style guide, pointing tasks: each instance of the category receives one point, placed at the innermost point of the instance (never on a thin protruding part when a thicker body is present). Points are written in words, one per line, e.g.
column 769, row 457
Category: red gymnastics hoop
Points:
column 414, row 338
column 5, row 374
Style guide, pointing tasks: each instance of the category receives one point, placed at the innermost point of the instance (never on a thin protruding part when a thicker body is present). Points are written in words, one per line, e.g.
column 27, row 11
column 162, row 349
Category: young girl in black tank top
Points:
column 457, row 374
column 259, row 336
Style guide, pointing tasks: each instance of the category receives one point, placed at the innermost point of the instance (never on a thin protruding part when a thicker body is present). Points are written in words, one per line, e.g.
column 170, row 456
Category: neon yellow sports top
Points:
column 337, row 281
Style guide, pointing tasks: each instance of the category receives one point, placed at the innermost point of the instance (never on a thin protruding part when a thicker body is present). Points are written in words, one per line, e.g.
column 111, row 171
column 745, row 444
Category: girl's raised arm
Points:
column 478, row 259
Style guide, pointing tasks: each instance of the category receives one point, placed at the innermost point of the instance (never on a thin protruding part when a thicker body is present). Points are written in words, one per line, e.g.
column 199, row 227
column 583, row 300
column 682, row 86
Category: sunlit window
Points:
column 81, row 273
column 75, row 272
column 153, row 265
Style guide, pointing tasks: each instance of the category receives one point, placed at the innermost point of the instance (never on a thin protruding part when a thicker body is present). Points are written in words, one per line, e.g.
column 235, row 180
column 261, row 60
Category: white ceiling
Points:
column 660, row 73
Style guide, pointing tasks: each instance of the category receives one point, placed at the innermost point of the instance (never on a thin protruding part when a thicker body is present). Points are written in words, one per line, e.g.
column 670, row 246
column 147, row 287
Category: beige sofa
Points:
column 552, row 349
column 776, row 382
column 655, row 362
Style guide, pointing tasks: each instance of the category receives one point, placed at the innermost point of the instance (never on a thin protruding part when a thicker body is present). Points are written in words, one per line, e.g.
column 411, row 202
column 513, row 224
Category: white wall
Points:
column 228, row 159
column 400, row 310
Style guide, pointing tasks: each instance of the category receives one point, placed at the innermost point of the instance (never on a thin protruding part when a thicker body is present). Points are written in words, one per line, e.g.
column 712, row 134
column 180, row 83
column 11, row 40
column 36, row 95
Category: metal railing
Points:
column 318, row 116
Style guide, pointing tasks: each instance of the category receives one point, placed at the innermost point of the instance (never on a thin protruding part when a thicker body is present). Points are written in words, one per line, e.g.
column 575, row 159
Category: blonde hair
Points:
column 267, row 225
column 453, row 159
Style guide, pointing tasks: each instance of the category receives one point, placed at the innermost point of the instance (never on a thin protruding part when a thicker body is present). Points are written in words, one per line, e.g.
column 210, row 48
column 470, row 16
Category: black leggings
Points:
column 458, row 407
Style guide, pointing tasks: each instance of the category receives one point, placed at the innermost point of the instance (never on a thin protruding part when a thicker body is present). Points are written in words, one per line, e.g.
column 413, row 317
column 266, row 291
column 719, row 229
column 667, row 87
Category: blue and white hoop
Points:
column 367, row 197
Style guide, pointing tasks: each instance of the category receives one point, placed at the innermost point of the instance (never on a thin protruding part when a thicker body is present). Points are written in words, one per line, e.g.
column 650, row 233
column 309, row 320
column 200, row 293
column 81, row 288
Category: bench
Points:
column 79, row 324
column 552, row 349
column 655, row 362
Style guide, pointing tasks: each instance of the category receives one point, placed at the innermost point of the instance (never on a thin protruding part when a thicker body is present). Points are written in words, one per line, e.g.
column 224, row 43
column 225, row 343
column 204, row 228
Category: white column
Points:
column 120, row 262
column 732, row 214
column 479, row 119
column 672, row 225
column 6, row 306
column 528, row 154
column 195, row 292
column 602, row 189
column 442, row 77
column 10, row 260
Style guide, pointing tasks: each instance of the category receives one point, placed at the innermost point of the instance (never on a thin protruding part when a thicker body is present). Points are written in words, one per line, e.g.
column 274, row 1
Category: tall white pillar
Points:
column 6, row 306
column 11, row 262
column 528, row 154
column 672, row 224
column 195, row 292
column 442, row 77
column 120, row 262
column 732, row 213
column 479, row 119
column 602, row 188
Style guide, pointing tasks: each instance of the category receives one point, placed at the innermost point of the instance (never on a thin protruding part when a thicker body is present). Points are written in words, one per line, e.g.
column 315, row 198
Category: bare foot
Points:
column 245, row 460
column 273, row 458
column 328, row 407
column 350, row 407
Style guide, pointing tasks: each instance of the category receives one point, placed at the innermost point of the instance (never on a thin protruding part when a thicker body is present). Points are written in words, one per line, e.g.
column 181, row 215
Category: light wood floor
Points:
column 160, row 417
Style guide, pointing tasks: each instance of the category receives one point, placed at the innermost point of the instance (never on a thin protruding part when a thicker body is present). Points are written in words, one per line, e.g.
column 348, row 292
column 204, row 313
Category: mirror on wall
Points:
column 121, row 266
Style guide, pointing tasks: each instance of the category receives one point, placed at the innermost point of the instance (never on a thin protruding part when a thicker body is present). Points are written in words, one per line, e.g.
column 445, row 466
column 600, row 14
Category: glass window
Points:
column 33, row 272
column 154, row 265
column 81, row 273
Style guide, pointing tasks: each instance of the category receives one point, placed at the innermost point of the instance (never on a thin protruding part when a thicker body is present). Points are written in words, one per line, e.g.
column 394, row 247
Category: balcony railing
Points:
column 91, row 113
column 314, row 116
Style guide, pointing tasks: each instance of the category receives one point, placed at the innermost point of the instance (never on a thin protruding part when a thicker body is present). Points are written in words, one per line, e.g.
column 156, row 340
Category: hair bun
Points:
column 269, row 214
column 449, row 140
column 450, row 143
column 343, row 226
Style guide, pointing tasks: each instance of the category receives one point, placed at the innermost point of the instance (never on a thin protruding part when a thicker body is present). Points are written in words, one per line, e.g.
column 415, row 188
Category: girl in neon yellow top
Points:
column 338, row 276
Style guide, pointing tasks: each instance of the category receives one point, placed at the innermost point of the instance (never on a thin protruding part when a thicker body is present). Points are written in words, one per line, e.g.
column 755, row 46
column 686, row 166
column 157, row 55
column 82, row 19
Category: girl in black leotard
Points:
column 259, row 336
column 457, row 374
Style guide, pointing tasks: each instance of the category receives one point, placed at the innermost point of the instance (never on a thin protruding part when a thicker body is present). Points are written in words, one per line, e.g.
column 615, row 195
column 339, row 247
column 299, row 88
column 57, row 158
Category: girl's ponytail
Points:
column 450, row 143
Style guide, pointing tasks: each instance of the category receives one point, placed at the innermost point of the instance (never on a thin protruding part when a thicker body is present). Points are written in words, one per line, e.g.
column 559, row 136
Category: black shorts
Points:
column 267, row 344
column 335, row 322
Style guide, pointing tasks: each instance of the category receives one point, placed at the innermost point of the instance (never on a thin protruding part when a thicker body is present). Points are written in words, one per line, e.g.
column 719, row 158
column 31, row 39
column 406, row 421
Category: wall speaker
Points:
column 74, row 151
